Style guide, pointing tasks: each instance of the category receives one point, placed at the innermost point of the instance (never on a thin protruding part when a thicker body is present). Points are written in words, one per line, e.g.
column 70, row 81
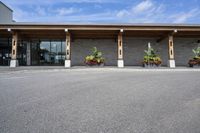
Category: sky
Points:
column 106, row 11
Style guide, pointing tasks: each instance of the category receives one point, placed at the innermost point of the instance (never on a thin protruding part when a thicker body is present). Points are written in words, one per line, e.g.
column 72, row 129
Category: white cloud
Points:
column 19, row 14
column 122, row 13
column 68, row 14
column 40, row 11
column 143, row 6
column 67, row 11
column 52, row 2
column 144, row 12
column 183, row 17
column 97, row 6
column 79, row 18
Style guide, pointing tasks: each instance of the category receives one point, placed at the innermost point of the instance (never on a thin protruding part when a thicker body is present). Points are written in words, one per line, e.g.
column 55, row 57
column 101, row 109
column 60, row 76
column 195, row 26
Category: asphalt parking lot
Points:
column 99, row 101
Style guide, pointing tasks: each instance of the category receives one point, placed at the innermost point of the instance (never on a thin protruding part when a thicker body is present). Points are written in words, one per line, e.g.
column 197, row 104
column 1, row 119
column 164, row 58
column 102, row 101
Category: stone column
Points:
column 14, row 61
column 120, row 62
column 68, row 48
column 171, row 62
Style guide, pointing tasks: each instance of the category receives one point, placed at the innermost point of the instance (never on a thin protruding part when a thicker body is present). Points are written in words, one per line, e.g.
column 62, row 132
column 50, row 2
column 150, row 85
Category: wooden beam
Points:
column 14, row 45
column 161, row 39
column 68, row 46
column 120, row 46
column 165, row 36
column 99, row 27
column 171, row 48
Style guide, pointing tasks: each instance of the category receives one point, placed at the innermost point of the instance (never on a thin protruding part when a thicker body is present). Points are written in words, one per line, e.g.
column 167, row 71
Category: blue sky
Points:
column 106, row 11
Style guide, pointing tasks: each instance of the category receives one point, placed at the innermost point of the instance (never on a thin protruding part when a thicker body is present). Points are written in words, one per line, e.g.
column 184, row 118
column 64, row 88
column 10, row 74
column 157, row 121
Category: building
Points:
column 6, row 14
column 121, row 44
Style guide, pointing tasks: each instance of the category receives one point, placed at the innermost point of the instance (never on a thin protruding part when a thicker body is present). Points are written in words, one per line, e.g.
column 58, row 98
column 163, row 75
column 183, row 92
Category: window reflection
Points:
column 5, row 51
column 42, row 51
column 45, row 53
column 63, row 51
column 50, row 52
column 56, row 57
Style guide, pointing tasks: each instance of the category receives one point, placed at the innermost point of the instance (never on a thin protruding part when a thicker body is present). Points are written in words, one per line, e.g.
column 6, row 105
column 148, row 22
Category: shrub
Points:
column 151, row 58
column 95, row 58
column 196, row 53
column 196, row 58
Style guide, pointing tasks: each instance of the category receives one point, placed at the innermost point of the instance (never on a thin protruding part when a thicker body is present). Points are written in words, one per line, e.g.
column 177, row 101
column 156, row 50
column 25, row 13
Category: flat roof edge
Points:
column 99, row 24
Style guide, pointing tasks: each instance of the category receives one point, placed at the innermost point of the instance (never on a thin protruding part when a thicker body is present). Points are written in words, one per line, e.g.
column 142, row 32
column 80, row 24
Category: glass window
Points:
column 48, row 52
column 21, row 52
column 63, row 50
column 56, row 50
column 5, row 51
column 35, row 55
column 45, row 53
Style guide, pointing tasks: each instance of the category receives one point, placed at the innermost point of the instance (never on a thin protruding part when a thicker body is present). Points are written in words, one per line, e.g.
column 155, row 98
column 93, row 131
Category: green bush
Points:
column 196, row 58
column 196, row 53
column 95, row 58
column 151, row 57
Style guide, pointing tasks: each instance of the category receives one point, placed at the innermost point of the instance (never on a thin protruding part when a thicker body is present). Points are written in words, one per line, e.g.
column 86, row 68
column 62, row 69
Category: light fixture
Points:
column 9, row 29
column 66, row 30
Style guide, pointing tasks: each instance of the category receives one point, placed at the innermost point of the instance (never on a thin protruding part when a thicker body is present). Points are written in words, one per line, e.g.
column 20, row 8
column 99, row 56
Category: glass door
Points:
column 21, row 52
column 5, row 51
column 56, row 52
column 45, row 53
column 5, row 56
column 48, row 52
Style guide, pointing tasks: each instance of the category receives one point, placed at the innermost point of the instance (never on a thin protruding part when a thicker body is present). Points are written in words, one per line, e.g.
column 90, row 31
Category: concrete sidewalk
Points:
column 5, row 69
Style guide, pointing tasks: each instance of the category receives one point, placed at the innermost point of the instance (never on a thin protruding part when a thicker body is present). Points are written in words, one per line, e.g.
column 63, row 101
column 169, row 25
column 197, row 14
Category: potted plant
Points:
column 95, row 59
column 151, row 59
column 195, row 62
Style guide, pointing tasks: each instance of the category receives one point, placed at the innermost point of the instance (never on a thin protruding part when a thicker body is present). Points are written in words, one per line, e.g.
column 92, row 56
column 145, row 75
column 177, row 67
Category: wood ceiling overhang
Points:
column 97, row 31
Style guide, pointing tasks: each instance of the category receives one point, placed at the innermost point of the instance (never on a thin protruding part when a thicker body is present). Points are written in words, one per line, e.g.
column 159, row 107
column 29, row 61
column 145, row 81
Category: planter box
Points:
column 194, row 63
column 95, row 65
column 194, row 66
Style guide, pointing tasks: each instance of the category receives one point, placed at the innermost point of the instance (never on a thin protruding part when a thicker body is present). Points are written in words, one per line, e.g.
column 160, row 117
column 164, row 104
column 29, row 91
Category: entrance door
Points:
column 5, row 51
column 48, row 52
column 5, row 56
column 21, row 53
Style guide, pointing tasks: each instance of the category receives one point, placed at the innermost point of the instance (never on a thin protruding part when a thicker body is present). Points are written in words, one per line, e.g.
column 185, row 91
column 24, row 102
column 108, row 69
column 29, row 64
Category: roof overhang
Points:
column 62, row 26
column 36, row 30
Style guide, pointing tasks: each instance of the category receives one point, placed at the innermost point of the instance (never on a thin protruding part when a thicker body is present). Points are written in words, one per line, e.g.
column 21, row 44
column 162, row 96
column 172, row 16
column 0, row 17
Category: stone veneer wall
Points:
column 80, row 48
column 133, row 50
column 183, row 50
